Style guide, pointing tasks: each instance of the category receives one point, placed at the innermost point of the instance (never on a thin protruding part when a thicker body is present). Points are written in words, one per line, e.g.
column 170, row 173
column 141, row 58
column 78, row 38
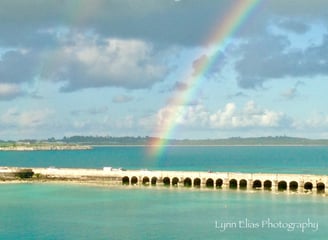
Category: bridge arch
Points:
column 187, row 182
column 320, row 187
column 257, row 184
column 233, row 183
column 218, row 182
column 197, row 182
column 243, row 183
column 153, row 180
column 267, row 184
column 282, row 185
column 175, row 181
column 240, row 181
column 126, row 180
column 308, row 186
column 134, row 180
column 145, row 181
column 209, row 183
column 293, row 186
column 166, row 181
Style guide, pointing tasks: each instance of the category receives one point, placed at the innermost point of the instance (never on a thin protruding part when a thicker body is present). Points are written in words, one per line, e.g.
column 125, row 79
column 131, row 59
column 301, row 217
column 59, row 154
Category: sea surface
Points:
column 60, row 211
column 277, row 159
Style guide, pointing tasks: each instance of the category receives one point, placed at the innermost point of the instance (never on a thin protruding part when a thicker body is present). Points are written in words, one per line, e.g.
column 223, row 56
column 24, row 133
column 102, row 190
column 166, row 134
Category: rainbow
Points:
column 218, row 40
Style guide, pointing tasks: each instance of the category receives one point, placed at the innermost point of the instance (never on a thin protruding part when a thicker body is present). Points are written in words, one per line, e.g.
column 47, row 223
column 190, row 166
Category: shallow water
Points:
column 48, row 211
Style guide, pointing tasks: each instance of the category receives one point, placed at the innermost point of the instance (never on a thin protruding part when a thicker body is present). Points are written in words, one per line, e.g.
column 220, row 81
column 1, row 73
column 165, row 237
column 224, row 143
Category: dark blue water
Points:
column 298, row 159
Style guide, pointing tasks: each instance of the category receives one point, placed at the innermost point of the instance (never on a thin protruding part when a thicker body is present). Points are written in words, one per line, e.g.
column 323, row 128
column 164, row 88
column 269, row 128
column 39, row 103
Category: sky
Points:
column 132, row 68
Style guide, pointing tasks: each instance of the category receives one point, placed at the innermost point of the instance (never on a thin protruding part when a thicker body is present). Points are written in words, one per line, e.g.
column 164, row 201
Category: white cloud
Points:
column 250, row 116
column 93, row 62
column 315, row 125
column 223, row 118
column 9, row 91
column 292, row 92
column 230, row 117
column 33, row 118
column 318, row 120
column 192, row 115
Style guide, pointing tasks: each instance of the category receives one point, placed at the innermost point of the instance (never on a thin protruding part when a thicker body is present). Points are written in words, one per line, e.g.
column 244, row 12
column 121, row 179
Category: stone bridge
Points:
column 268, row 181
column 227, row 180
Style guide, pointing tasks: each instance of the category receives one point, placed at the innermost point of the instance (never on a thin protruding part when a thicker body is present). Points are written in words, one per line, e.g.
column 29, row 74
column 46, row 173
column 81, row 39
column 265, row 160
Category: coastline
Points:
column 210, row 145
column 46, row 148
column 89, row 147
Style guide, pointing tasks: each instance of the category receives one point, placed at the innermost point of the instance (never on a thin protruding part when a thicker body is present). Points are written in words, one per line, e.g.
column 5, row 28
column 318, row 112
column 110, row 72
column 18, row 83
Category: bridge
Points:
column 189, row 179
column 267, row 181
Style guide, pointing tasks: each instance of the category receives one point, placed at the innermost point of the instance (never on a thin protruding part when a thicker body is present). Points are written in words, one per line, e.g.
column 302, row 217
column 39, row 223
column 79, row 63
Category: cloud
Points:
column 292, row 93
column 25, row 119
column 90, row 111
column 199, row 63
column 180, row 86
column 314, row 125
column 122, row 99
column 18, row 66
column 250, row 116
column 86, row 61
column 296, row 8
column 90, row 62
column 9, row 91
column 261, row 63
column 228, row 118
column 160, row 21
column 316, row 121
column 121, row 43
column 163, row 22
column 294, row 26
column 120, row 126
column 209, row 66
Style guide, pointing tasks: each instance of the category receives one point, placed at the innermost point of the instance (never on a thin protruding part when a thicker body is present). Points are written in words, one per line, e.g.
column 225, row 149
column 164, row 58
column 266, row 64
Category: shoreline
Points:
column 90, row 147
column 27, row 148
column 213, row 145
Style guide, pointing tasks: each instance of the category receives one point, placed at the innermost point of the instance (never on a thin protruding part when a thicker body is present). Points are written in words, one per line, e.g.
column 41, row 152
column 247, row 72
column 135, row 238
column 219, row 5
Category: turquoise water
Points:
column 235, row 159
column 46, row 211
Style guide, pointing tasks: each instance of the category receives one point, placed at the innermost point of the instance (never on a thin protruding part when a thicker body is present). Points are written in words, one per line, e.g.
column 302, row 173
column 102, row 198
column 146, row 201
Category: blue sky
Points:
column 110, row 68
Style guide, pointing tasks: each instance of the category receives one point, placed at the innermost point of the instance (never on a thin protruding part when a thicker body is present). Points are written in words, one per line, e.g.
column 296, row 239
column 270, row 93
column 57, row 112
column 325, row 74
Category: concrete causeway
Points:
column 233, row 180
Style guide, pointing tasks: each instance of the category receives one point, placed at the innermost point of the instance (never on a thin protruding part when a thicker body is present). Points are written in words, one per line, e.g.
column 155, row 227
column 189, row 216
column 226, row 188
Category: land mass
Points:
column 40, row 146
column 256, row 141
column 86, row 142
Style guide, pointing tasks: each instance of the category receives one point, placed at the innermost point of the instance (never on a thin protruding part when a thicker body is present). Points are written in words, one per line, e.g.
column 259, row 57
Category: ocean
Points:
column 60, row 211
column 276, row 159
